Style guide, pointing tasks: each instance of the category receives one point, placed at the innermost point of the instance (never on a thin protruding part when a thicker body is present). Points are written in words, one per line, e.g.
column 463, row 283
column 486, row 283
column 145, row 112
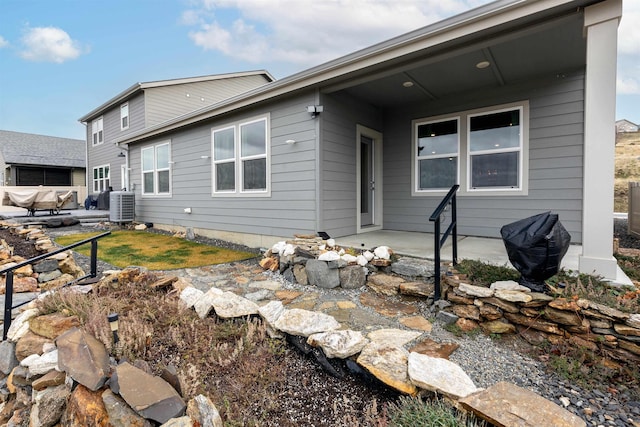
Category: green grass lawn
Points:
column 153, row 251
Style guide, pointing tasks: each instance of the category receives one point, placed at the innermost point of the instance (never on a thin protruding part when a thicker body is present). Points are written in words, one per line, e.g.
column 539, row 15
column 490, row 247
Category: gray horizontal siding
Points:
column 555, row 162
column 290, row 209
column 166, row 102
column 340, row 117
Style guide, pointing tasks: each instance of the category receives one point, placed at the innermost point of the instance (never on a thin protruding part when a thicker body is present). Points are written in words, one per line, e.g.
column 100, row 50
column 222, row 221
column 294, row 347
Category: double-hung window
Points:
column 495, row 147
column 483, row 150
column 124, row 116
column 97, row 133
column 101, row 180
column 241, row 158
column 156, row 170
column 437, row 146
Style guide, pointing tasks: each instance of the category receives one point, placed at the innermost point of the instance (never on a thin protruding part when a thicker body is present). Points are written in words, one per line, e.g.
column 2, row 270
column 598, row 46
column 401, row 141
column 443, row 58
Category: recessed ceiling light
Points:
column 482, row 64
column 408, row 83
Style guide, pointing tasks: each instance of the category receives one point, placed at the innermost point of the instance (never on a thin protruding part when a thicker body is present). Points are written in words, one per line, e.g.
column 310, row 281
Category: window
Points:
column 156, row 171
column 101, row 178
column 484, row 150
column 240, row 158
column 97, row 131
column 437, row 148
column 124, row 116
column 495, row 143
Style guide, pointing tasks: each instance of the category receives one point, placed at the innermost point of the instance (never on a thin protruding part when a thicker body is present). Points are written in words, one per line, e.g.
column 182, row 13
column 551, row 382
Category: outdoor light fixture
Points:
column 314, row 110
column 408, row 83
column 482, row 64
column 121, row 154
column 113, row 324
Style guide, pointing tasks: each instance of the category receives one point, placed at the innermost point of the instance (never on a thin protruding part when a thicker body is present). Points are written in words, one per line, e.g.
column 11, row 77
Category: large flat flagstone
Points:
column 505, row 404
column 305, row 322
column 439, row 375
column 388, row 363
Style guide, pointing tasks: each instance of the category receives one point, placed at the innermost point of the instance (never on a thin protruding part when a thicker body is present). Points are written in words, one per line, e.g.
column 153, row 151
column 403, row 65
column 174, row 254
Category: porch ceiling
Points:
column 545, row 48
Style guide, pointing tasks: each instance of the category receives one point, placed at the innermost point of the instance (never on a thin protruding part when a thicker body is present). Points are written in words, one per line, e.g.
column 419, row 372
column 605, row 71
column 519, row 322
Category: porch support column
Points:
column 601, row 29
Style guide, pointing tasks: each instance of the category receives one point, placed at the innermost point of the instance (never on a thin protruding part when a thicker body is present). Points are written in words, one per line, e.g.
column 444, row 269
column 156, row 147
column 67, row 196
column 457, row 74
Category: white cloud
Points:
column 3, row 42
column 49, row 44
column 627, row 86
column 308, row 32
column 629, row 30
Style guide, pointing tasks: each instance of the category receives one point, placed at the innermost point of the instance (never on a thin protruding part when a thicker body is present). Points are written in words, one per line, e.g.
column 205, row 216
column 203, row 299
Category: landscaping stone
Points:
column 352, row 277
column 304, row 323
column 417, row 289
column 439, row 375
column 85, row 408
column 190, row 296
column 8, row 359
column 432, row 348
column 475, row 291
column 120, row 414
column 513, row 296
column 229, row 305
column 417, row 322
column 20, row 325
column 46, row 266
column 385, row 284
column 508, row 285
column 203, row 412
column 50, row 379
column 413, row 267
column 386, row 307
column 48, row 406
column 339, row 344
column 319, row 274
column 388, row 363
column 30, row 344
column 505, row 404
column 150, row 396
column 41, row 364
column 205, row 304
column 52, row 325
column 83, row 358
column 393, row 337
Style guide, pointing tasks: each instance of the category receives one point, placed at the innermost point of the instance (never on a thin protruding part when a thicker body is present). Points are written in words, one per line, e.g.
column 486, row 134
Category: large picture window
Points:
column 97, row 131
column 156, row 170
column 241, row 158
column 101, row 179
column 484, row 150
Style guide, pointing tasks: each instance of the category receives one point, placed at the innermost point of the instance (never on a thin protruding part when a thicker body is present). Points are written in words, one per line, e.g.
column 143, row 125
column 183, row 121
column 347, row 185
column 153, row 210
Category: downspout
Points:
column 319, row 170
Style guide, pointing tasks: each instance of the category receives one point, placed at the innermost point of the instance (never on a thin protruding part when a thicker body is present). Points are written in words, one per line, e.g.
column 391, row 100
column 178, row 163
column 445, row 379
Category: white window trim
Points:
column 104, row 179
column 464, row 155
column 238, row 160
column 126, row 104
column 155, row 171
column 97, row 126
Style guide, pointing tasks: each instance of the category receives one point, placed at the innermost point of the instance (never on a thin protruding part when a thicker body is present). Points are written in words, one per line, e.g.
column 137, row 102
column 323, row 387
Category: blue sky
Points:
column 61, row 59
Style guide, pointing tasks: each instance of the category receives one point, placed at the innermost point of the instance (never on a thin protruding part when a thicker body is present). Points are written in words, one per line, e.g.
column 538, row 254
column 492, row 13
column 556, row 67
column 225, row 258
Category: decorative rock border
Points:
column 507, row 307
column 50, row 273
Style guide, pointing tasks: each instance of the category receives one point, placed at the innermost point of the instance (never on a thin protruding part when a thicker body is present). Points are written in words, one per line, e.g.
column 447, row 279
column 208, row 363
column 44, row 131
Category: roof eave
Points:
column 461, row 25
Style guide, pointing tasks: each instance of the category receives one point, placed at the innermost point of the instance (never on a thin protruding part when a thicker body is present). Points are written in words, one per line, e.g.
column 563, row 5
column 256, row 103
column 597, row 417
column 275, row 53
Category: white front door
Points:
column 369, row 179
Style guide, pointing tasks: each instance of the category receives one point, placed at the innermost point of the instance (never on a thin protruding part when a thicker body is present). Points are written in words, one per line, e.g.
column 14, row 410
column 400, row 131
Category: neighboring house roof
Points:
column 625, row 125
column 460, row 30
column 41, row 150
column 138, row 87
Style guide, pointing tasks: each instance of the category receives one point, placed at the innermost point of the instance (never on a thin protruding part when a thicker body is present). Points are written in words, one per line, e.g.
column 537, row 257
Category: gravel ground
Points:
column 488, row 361
column 620, row 231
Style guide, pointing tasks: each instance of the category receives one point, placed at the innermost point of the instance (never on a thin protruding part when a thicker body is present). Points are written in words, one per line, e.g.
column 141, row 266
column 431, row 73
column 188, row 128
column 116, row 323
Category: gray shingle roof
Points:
column 42, row 150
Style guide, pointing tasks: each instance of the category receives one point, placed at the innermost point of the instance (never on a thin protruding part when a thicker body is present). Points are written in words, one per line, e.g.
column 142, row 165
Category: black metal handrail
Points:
column 8, row 297
column 438, row 242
